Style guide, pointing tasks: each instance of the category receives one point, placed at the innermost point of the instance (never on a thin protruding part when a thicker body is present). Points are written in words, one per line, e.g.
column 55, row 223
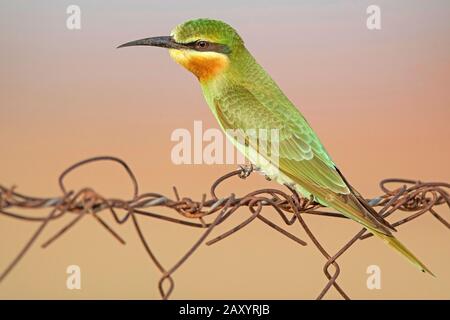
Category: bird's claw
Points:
column 245, row 170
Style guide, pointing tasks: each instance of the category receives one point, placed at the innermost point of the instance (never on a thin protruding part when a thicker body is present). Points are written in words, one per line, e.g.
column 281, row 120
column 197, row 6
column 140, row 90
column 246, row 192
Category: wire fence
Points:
column 416, row 198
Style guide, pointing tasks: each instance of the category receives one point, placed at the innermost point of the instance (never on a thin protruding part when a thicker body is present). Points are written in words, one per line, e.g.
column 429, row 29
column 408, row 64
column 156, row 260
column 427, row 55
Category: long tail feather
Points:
column 399, row 247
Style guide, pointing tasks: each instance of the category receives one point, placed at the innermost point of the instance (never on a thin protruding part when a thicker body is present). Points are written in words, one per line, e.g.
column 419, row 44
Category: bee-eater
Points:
column 242, row 95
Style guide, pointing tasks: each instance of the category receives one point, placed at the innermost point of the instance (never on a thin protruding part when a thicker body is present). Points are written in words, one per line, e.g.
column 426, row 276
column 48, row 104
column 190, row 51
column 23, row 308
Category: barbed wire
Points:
column 414, row 197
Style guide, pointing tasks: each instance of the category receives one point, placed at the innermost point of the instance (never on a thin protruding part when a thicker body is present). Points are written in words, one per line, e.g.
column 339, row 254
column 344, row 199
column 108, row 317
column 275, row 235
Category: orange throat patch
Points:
column 204, row 65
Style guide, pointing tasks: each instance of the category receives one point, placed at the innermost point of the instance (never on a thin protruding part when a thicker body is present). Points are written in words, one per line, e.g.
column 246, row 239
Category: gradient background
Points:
column 379, row 100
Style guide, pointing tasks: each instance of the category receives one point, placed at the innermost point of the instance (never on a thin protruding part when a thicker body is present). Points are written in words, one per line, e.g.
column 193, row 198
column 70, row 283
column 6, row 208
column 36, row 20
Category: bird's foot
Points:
column 246, row 170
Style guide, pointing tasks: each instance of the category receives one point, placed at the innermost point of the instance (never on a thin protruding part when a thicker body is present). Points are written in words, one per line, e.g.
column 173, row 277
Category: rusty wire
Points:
column 414, row 197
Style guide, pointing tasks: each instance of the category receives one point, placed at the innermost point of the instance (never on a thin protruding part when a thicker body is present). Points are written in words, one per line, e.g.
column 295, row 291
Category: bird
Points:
column 242, row 95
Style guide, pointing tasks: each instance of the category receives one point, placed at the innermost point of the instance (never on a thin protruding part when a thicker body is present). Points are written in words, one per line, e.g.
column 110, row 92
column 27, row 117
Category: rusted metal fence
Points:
column 414, row 197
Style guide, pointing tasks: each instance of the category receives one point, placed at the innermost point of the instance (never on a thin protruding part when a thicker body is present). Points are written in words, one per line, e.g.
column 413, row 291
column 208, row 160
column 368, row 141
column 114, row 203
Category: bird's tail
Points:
column 356, row 208
column 399, row 247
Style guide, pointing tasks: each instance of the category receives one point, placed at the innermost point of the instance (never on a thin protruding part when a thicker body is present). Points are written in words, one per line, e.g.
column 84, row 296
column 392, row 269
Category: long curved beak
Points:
column 163, row 42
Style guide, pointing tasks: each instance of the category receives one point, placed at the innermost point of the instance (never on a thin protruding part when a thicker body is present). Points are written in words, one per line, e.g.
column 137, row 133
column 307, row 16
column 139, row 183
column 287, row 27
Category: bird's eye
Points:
column 202, row 44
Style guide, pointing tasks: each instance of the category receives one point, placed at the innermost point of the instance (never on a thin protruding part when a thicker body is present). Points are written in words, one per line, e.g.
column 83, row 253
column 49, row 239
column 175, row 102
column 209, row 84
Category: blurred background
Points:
column 379, row 101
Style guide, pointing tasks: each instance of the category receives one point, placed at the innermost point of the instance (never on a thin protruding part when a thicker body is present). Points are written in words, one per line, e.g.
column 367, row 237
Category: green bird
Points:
column 242, row 95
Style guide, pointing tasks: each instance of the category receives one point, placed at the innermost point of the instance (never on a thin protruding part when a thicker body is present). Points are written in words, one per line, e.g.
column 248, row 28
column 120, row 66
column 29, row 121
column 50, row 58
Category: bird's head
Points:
column 203, row 46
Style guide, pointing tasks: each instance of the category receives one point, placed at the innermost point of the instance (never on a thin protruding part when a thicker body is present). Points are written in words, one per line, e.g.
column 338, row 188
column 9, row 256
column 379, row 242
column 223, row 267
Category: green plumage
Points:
column 243, row 96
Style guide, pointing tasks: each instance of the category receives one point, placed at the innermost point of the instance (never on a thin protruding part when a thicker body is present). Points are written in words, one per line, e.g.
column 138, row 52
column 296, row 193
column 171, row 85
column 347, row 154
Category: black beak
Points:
column 163, row 42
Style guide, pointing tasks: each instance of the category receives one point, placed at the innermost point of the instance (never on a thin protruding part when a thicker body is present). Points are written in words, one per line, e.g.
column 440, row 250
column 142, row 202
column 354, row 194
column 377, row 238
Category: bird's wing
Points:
column 301, row 154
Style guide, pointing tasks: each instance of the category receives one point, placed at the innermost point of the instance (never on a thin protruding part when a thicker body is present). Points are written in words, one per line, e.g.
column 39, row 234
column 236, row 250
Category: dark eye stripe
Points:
column 211, row 46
